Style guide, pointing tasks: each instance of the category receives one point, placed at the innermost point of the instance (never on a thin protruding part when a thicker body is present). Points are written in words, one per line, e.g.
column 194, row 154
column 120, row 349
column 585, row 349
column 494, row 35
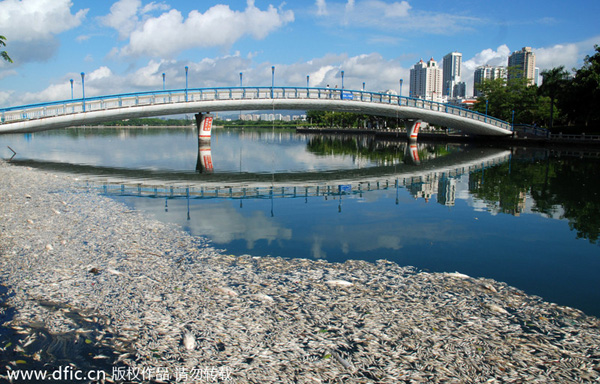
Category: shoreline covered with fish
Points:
column 145, row 301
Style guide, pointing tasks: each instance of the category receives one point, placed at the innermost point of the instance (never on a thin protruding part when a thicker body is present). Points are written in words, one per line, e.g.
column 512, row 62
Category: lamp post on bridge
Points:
column 186, row 83
column 272, row 80
column 513, row 120
column 83, row 89
column 363, row 86
column 307, row 85
column 401, row 81
column 164, row 80
column 71, row 88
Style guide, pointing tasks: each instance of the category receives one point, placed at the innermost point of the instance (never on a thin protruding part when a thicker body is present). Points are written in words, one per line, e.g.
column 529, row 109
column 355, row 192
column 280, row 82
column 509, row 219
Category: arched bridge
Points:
column 94, row 110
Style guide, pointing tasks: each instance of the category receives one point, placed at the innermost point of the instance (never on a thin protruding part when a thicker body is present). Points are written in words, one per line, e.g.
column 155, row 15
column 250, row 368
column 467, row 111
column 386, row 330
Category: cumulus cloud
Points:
column 125, row 15
column 570, row 55
column 170, row 32
column 33, row 25
column 28, row 20
column 498, row 57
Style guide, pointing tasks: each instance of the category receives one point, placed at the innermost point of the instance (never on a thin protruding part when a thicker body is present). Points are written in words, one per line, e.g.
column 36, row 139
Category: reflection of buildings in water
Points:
column 424, row 187
column 521, row 203
column 446, row 194
column 435, row 184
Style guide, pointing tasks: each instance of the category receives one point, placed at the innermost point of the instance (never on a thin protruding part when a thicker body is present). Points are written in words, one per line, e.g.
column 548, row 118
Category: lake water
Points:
column 528, row 217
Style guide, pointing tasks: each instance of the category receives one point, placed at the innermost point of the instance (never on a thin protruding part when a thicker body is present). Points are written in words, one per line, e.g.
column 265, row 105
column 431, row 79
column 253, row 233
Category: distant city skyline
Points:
column 126, row 45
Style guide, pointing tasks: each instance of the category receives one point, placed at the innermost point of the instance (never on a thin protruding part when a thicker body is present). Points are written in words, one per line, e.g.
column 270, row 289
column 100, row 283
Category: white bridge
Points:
column 95, row 110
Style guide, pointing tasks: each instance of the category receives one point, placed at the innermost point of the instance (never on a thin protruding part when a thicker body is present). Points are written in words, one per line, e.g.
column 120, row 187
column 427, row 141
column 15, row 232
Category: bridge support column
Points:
column 204, row 124
column 412, row 129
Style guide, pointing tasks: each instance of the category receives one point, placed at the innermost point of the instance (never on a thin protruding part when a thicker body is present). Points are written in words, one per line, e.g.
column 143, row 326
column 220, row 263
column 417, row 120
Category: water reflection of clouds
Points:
column 220, row 221
column 292, row 156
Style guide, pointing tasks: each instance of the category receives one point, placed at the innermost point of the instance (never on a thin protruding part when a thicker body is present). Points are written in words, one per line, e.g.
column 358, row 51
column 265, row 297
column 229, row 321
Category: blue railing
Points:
column 123, row 100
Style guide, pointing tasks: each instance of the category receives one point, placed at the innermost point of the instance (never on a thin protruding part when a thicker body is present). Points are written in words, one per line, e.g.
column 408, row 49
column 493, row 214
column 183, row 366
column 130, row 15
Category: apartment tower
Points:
column 426, row 81
column 452, row 86
column 524, row 62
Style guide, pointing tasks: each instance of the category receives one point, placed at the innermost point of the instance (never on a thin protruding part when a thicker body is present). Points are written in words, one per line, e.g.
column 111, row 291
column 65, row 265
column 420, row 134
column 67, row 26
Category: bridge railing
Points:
column 68, row 107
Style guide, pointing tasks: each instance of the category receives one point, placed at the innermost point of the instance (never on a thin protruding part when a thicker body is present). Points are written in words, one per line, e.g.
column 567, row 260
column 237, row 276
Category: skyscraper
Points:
column 486, row 72
column 426, row 80
column 452, row 86
column 523, row 62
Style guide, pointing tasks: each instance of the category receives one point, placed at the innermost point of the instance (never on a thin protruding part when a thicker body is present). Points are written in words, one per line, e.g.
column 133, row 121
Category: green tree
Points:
column 501, row 97
column 584, row 96
column 554, row 85
column 4, row 55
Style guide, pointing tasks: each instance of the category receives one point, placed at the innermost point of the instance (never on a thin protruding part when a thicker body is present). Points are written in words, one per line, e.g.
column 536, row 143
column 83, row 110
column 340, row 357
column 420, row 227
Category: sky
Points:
column 126, row 45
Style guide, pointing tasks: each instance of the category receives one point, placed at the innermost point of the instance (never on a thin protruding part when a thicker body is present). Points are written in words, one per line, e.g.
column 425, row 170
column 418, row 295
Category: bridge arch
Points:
column 61, row 114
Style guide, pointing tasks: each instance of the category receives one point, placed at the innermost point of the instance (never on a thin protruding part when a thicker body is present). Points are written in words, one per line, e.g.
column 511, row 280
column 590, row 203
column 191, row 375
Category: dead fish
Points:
column 189, row 341
column 339, row 283
column 497, row 309
column 227, row 291
column 458, row 275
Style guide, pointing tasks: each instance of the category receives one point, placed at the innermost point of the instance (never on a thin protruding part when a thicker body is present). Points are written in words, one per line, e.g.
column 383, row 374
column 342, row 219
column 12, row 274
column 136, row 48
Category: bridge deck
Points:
column 94, row 110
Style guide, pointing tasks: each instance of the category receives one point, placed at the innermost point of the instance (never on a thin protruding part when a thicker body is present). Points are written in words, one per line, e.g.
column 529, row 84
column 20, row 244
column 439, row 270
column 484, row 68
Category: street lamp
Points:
column 401, row 81
column 342, row 80
column 307, row 82
column 486, row 106
column 163, row 80
column 241, row 84
column 186, row 83
column 513, row 119
column 83, row 89
column 363, row 85
column 71, row 88
column 272, row 80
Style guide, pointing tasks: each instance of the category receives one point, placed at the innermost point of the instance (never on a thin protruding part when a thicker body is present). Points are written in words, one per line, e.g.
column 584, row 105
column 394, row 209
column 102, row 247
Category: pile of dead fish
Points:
column 159, row 304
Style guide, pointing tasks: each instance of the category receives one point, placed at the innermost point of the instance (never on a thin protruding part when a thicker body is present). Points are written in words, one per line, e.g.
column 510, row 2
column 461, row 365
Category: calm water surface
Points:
column 530, row 218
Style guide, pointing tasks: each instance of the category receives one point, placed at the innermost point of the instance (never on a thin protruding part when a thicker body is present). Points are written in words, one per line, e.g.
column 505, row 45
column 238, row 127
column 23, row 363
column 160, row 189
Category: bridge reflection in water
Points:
column 422, row 173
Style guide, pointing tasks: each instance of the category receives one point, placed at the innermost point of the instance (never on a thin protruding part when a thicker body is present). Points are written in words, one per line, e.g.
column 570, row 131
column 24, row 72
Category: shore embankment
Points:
column 151, row 298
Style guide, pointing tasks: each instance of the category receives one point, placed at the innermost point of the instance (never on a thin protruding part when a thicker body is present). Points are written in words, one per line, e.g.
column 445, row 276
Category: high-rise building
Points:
column 523, row 63
column 426, row 80
column 486, row 72
column 453, row 87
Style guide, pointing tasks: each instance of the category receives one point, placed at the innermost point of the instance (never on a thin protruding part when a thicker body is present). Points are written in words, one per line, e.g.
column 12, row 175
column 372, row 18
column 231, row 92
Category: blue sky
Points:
column 126, row 45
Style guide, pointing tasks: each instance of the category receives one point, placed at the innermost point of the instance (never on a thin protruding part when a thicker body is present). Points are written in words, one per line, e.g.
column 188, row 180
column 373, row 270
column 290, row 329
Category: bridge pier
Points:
column 412, row 128
column 204, row 125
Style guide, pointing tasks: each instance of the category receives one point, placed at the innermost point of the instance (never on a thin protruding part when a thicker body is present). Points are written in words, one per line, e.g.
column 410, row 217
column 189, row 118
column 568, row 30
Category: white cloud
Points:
column 5, row 97
column 33, row 24
column 321, row 7
column 170, row 33
column 28, row 20
column 123, row 17
column 569, row 55
column 498, row 57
